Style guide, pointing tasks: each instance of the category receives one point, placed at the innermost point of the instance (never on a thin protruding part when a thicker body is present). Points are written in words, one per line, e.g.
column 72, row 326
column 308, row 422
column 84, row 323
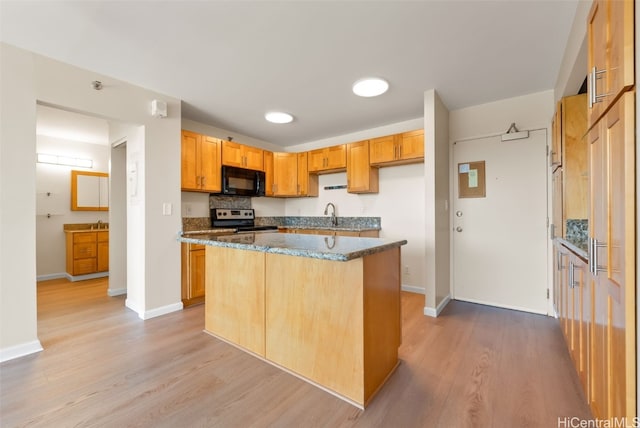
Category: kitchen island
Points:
column 324, row 308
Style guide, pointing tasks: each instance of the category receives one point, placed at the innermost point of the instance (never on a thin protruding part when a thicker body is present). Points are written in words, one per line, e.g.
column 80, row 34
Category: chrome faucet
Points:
column 99, row 224
column 334, row 219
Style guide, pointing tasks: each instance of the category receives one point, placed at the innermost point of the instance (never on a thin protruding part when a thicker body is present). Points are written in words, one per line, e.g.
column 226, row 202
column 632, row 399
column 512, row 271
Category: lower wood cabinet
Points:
column 87, row 252
column 193, row 269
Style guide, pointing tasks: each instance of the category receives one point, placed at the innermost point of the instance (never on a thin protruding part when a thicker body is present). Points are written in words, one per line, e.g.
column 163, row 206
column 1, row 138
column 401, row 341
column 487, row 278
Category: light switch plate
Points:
column 166, row 208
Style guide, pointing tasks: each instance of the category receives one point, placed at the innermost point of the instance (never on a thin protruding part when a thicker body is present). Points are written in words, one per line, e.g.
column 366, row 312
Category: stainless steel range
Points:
column 243, row 220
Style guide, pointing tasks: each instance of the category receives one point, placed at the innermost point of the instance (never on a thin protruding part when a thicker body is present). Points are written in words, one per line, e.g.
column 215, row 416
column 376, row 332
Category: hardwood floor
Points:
column 474, row 366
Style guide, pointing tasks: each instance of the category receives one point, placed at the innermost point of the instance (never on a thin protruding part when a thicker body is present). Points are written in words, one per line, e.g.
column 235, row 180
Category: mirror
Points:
column 89, row 191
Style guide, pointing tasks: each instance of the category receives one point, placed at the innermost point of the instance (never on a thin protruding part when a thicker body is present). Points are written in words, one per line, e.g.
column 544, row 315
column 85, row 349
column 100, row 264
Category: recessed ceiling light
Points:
column 278, row 117
column 370, row 87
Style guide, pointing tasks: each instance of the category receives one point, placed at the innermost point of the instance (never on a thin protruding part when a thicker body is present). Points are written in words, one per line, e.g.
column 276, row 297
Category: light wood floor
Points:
column 474, row 366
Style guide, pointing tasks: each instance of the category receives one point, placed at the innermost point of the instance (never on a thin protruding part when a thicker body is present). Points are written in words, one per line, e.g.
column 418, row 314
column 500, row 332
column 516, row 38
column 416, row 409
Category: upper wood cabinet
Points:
column 328, row 159
column 611, row 53
column 361, row 176
column 200, row 164
column 241, row 156
column 285, row 174
column 398, row 149
column 268, row 173
column 291, row 176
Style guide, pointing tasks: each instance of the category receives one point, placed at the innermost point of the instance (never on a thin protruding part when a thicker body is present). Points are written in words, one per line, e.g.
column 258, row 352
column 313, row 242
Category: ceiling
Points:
column 231, row 61
column 69, row 126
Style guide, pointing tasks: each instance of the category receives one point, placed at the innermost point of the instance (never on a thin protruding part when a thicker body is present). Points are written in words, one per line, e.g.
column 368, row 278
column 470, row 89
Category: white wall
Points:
column 55, row 179
column 400, row 201
column 18, row 322
column 28, row 78
column 436, row 125
column 117, row 218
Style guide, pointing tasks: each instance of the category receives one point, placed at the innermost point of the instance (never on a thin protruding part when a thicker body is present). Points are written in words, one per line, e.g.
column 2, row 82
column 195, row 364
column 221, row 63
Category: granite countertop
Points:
column 336, row 248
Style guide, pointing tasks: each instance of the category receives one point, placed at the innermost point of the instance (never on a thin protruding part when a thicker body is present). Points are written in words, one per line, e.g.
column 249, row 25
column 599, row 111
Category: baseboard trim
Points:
column 163, row 310
column 75, row 278
column 412, row 289
column 433, row 313
column 116, row 292
column 49, row 276
column 21, row 350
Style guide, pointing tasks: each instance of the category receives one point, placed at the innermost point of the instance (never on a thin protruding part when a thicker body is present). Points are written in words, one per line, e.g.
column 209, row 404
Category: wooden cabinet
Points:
column 361, row 176
column 102, row 256
column 610, row 35
column 291, row 177
column 285, row 174
column 570, row 151
column 200, row 163
column 612, row 231
column 557, row 221
column 268, row 173
column 87, row 252
column 328, row 159
column 398, row 149
column 193, row 270
column 573, row 297
column 241, row 156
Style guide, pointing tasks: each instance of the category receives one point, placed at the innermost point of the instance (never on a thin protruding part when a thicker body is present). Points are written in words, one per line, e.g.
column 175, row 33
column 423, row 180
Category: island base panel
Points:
column 234, row 297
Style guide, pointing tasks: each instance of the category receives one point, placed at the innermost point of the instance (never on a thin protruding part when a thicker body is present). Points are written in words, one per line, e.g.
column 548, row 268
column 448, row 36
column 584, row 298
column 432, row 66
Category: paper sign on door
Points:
column 473, row 178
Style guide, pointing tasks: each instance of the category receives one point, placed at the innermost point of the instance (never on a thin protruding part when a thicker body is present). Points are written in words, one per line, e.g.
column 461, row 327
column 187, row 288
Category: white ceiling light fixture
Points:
column 370, row 87
column 278, row 117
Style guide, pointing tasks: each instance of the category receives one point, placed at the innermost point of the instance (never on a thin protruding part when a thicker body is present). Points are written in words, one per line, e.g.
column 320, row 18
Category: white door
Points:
column 500, row 240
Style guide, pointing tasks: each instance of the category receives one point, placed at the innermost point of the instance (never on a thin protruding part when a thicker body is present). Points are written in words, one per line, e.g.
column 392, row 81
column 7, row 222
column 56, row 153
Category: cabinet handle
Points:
column 400, row 151
column 593, row 77
column 297, row 189
column 204, row 181
column 594, row 267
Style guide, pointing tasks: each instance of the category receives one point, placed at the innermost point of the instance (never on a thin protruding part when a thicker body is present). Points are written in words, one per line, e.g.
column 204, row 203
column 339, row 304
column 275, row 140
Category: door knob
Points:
column 458, row 213
column 458, row 229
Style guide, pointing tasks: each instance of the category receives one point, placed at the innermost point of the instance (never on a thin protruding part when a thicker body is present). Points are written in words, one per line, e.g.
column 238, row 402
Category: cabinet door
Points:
column 582, row 319
column 268, row 173
column 611, row 51
column 196, row 273
column 103, row 257
column 189, row 172
column 412, row 145
column 232, row 154
column 285, row 172
column 575, row 150
column 596, row 53
column 211, row 176
column 382, row 149
column 556, row 188
column 316, row 160
column 253, row 158
column 303, row 174
column 612, row 225
column 361, row 177
column 336, row 157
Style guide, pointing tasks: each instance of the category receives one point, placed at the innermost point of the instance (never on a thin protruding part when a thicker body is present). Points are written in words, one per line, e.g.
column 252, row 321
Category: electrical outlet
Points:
column 405, row 270
column 187, row 210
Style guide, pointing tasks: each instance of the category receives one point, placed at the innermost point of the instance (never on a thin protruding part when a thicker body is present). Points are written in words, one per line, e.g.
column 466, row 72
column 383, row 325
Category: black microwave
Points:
column 242, row 182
